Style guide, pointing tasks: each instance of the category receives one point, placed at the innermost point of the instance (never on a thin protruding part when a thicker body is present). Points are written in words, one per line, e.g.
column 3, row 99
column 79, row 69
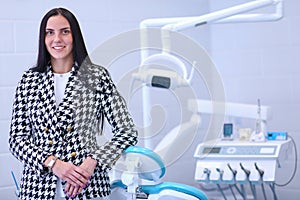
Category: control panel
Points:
column 225, row 149
column 233, row 161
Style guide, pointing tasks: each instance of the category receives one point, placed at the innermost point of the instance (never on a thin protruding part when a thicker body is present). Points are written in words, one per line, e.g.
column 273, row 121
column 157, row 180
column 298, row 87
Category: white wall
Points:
column 255, row 60
column 261, row 60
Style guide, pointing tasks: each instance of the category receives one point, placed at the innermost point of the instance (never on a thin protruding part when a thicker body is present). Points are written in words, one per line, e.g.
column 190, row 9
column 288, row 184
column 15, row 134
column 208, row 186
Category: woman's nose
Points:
column 57, row 38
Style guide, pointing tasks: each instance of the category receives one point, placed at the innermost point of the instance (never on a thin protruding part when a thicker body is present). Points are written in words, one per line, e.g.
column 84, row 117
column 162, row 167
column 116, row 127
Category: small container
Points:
column 244, row 134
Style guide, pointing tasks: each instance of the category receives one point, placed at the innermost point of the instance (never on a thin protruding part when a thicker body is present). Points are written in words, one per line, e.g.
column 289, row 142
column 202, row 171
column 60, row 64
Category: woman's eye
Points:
column 66, row 31
column 49, row 32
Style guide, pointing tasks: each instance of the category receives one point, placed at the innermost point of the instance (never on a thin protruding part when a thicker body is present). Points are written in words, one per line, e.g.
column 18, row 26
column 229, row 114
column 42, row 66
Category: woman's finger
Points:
column 75, row 192
column 70, row 192
column 76, row 180
column 82, row 172
column 67, row 188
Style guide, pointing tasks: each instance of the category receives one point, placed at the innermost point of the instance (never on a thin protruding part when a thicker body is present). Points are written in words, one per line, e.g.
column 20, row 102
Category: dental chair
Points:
column 138, row 175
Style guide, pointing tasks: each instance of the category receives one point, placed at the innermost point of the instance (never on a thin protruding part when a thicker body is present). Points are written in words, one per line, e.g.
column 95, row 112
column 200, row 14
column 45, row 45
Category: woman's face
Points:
column 58, row 38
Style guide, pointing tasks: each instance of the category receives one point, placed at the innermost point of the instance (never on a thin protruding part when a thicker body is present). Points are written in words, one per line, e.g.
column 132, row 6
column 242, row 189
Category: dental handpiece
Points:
column 234, row 172
column 260, row 171
column 206, row 171
column 221, row 172
column 247, row 172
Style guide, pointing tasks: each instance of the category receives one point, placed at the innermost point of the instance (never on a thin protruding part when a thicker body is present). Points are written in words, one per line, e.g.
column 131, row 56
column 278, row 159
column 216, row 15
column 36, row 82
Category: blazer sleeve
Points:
column 114, row 108
column 21, row 143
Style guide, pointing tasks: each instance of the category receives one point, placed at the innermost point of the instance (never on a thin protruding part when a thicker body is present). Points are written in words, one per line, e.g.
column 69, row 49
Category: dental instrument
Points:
column 258, row 135
column 261, row 174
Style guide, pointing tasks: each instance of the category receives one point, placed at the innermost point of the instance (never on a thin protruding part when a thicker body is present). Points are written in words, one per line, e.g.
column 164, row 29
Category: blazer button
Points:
column 73, row 154
column 46, row 129
column 50, row 142
column 69, row 128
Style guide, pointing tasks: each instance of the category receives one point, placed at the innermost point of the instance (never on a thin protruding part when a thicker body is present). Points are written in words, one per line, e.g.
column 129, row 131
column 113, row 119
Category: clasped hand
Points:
column 77, row 177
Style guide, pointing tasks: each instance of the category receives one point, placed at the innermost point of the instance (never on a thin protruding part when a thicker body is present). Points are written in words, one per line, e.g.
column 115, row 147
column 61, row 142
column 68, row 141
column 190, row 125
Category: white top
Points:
column 60, row 83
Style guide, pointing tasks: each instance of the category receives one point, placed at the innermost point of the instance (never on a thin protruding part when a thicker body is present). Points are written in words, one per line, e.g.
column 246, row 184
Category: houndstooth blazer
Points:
column 39, row 128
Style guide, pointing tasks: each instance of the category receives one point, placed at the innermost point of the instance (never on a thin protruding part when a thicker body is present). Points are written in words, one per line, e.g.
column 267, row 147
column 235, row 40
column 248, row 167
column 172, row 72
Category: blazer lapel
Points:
column 66, row 108
column 47, row 98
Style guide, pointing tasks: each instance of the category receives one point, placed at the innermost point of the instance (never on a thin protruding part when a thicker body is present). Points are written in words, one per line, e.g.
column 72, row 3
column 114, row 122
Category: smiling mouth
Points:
column 58, row 47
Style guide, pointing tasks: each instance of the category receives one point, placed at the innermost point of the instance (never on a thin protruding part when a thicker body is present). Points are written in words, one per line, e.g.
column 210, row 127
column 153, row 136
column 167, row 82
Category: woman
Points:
column 58, row 107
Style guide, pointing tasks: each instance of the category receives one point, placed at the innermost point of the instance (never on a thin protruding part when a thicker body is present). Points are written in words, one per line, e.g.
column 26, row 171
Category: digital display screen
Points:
column 267, row 150
column 211, row 150
column 227, row 130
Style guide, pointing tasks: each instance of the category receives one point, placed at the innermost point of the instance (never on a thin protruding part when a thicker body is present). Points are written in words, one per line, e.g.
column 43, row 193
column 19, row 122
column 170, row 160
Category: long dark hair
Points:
column 79, row 51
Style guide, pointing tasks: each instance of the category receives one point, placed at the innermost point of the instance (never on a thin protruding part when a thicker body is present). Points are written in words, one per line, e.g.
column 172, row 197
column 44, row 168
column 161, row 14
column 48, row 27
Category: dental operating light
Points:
column 149, row 71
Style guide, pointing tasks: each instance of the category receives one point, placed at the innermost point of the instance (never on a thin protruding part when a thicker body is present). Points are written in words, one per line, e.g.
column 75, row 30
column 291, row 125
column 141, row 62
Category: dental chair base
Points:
column 133, row 173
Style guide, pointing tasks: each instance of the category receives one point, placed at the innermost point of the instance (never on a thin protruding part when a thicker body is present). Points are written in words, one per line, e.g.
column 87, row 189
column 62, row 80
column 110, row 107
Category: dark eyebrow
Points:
column 65, row 28
column 51, row 29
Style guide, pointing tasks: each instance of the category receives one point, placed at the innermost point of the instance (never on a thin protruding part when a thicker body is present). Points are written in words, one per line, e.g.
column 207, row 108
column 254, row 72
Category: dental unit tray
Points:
column 236, row 149
column 216, row 159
